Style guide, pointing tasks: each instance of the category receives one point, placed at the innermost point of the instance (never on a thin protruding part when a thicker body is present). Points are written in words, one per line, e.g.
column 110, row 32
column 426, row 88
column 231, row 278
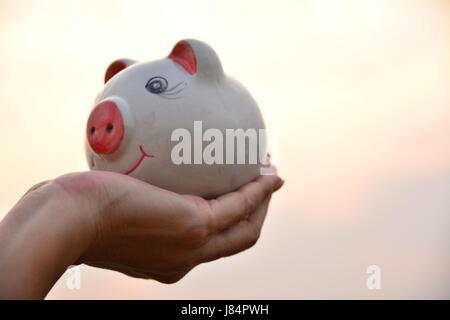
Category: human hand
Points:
column 147, row 232
column 116, row 222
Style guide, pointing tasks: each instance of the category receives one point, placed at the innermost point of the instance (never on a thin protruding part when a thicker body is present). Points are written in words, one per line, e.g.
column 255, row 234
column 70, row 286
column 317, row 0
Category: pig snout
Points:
column 105, row 128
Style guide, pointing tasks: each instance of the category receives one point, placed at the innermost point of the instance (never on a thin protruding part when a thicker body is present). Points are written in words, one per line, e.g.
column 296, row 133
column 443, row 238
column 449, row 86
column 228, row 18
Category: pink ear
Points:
column 183, row 54
column 117, row 66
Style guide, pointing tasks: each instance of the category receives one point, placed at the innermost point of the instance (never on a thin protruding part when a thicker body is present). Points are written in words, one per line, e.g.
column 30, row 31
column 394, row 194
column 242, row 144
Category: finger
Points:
column 241, row 236
column 257, row 218
column 278, row 186
column 233, row 207
column 270, row 170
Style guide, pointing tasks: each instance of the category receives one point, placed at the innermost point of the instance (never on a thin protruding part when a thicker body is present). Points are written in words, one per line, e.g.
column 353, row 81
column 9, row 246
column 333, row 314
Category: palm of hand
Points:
column 147, row 232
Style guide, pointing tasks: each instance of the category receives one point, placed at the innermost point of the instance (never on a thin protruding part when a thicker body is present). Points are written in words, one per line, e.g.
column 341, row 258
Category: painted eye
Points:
column 157, row 85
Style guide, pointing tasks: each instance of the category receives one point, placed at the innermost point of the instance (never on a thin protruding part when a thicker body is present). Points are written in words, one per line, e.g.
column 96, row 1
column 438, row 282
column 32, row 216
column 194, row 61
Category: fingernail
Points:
column 278, row 185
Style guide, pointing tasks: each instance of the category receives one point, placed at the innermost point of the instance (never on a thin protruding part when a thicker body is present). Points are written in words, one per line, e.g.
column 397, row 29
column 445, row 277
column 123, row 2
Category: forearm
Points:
column 39, row 238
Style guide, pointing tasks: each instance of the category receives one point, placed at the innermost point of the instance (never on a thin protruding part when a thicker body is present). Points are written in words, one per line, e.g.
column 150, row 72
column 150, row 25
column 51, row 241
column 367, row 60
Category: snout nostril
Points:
column 110, row 128
column 105, row 128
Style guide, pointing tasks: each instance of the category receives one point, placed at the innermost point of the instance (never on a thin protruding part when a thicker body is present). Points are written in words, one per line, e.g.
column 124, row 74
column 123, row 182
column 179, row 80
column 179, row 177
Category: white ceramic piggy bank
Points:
column 173, row 123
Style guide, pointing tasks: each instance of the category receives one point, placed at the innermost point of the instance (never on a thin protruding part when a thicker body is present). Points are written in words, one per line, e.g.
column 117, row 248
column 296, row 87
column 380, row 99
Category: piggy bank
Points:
column 178, row 123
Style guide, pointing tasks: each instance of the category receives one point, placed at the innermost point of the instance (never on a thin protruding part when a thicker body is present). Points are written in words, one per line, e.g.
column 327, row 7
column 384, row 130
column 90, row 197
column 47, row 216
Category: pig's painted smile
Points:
column 143, row 155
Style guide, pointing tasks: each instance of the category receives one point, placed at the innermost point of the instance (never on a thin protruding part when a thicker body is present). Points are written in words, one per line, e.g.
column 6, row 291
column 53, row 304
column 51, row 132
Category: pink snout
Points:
column 105, row 128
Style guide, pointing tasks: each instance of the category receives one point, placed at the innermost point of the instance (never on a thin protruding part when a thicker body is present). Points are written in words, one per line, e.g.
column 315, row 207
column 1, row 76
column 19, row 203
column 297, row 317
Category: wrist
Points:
column 48, row 230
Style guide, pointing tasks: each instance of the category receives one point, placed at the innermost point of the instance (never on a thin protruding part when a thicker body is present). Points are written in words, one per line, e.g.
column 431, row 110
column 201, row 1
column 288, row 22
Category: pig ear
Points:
column 117, row 66
column 197, row 57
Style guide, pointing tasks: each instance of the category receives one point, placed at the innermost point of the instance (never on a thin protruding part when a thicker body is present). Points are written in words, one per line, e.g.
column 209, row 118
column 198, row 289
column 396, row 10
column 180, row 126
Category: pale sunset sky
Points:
column 356, row 99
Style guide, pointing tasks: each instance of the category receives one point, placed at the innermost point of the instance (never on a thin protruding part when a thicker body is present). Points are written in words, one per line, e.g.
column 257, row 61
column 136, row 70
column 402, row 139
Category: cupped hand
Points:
column 147, row 232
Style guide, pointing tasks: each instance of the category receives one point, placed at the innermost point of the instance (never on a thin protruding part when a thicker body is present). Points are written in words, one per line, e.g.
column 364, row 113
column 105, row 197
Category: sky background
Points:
column 356, row 100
